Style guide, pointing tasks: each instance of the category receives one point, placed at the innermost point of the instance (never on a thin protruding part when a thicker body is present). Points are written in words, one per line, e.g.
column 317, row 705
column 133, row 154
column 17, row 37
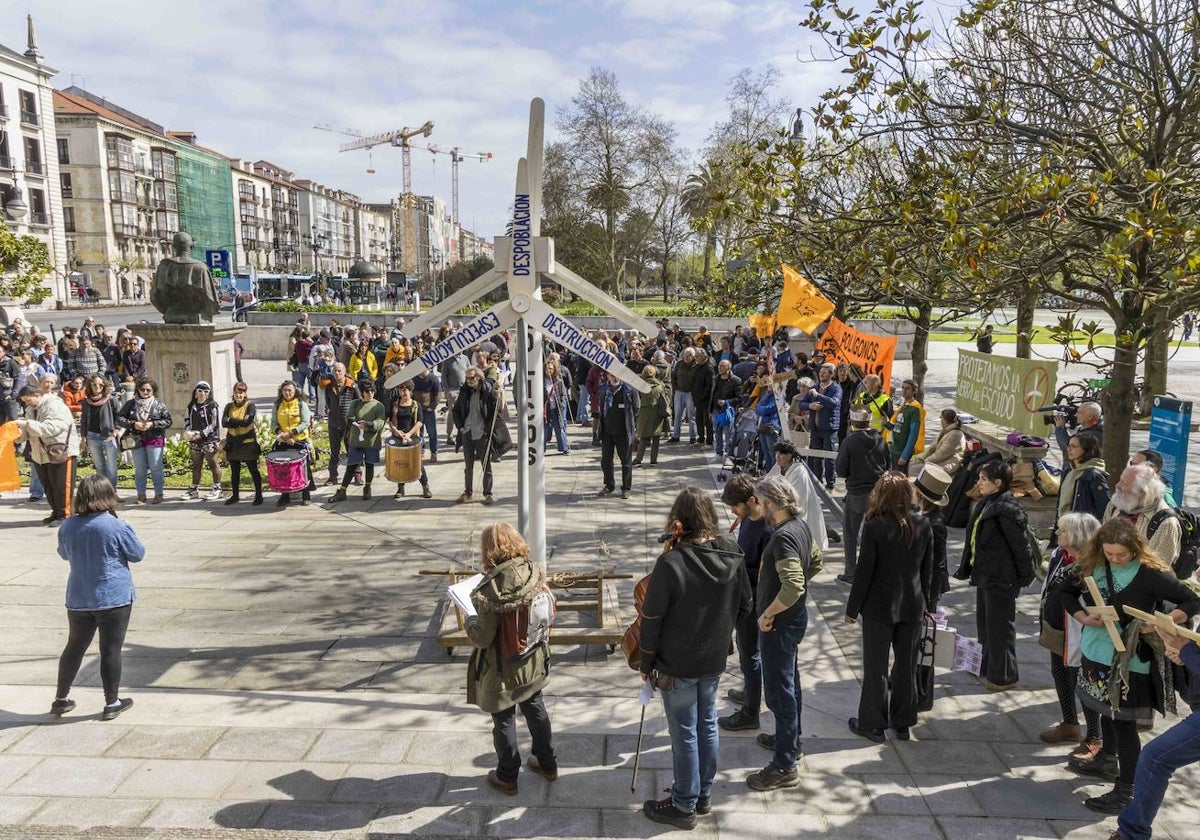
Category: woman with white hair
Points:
column 1075, row 530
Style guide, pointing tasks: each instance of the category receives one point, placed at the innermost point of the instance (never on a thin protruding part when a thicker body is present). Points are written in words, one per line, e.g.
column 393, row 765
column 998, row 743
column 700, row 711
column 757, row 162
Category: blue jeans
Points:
column 746, row 634
column 148, row 459
column 1175, row 748
column 722, row 437
column 105, row 456
column 36, row 491
column 823, row 467
column 781, row 686
column 691, row 711
column 766, row 448
column 429, row 428
column 684, row 407
column 584, row 412
column 554, row 423
column 300, row 377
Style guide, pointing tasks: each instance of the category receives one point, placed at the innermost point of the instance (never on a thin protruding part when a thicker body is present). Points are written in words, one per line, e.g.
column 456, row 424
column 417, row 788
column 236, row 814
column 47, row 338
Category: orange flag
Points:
column 801, row 305
column 764, row 325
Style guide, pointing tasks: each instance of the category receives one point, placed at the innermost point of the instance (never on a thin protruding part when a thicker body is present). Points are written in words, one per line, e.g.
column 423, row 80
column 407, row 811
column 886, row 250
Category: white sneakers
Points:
column 214, row 495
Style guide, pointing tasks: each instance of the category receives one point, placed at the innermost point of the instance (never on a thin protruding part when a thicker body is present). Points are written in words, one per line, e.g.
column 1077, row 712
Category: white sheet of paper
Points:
column 647, row 693
column 460, row 594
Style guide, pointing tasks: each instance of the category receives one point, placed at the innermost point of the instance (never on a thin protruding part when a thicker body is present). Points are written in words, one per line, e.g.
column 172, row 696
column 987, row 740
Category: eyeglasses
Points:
column 145, row 390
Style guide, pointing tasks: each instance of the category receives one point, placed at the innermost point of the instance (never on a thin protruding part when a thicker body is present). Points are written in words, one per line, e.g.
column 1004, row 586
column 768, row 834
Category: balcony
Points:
column 164, row 234
column 120, row 195
column 39, row 219
column 35, row 167
column 29, row 117
column 68, row 192
column 6, row 162
column 3, row 111
column 249, row 220
column 166, row 204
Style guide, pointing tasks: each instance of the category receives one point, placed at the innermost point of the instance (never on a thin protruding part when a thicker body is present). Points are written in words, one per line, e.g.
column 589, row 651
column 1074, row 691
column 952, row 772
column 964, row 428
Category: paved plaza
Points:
column 288, row 684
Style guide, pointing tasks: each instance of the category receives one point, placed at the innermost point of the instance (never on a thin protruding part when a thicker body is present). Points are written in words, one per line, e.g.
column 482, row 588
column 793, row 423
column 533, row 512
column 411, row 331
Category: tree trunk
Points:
column 1026, row 306
column 1158, row 351
column 920, row 347
column 1117, row 401
column 710, row 244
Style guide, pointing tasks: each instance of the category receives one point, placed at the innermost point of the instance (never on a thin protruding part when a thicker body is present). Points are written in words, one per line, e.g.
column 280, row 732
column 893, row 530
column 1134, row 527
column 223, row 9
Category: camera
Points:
column 1065, row 409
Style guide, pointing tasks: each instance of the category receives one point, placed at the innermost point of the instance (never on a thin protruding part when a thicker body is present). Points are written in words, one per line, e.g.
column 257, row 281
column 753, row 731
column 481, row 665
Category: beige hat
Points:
column 932, row 483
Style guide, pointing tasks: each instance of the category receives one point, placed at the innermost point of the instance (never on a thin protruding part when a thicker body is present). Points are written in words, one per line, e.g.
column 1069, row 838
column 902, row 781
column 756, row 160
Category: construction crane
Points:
column 394, row 138
column 457, row 157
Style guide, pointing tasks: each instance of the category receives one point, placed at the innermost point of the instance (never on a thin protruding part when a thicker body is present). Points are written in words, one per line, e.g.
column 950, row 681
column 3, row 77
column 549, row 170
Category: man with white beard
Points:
column 1138, row 497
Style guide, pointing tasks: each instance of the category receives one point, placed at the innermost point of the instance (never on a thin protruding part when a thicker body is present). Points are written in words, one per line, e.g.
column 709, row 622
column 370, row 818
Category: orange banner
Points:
column 764, row 326
column 9, row 479
column 801, row 305
column 873, row 353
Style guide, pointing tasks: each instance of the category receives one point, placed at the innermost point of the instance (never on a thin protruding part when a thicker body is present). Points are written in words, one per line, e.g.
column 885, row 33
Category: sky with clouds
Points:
column 252, row 78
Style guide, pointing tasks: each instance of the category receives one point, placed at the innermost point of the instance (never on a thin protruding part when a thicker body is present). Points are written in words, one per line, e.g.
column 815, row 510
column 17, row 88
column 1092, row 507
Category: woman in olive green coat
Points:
column 652, row 419
column 497, row 683
column 365, row 419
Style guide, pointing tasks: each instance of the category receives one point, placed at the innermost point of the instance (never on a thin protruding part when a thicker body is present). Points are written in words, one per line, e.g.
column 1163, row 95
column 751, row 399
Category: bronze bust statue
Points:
column 184, row 290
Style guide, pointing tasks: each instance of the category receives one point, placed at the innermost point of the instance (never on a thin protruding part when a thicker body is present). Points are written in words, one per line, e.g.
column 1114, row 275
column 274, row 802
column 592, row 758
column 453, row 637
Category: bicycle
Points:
column 1092, row 390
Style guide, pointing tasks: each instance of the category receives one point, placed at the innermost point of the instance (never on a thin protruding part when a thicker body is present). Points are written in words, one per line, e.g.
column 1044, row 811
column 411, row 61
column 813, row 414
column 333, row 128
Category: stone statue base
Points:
column 180, row 355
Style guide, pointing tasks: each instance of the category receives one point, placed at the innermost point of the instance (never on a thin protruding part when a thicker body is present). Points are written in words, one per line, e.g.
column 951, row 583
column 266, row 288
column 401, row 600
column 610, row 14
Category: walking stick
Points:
column 637, row 756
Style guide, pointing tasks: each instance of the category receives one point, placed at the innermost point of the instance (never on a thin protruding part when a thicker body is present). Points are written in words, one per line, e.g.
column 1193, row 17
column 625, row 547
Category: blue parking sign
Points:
column 218, row 265
column 1170, row 426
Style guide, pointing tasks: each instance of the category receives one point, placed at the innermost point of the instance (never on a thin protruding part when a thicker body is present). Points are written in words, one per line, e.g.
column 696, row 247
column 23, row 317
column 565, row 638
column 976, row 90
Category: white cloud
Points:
column 251, row 78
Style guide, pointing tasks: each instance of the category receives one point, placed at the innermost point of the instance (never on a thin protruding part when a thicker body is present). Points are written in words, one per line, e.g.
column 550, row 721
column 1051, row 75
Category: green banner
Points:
column 1006, row 391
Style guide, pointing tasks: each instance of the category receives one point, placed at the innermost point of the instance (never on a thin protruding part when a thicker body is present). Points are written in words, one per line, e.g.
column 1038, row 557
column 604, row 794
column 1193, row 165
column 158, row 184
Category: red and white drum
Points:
column 286, row 472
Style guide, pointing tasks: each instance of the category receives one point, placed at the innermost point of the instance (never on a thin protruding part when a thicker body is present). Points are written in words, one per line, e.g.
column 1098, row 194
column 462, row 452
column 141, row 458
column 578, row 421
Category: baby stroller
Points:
column 743, row 445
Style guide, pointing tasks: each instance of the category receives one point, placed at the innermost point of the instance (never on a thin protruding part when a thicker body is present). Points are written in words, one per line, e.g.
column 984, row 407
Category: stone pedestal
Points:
column 180, row 355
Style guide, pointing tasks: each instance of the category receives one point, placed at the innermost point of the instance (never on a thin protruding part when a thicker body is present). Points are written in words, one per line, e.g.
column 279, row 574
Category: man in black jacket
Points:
column 339, row 393
column 702, row 391
column 619, row 405
column 727, row 390
column 699, row 590
column 862, row 458
column 475, row 416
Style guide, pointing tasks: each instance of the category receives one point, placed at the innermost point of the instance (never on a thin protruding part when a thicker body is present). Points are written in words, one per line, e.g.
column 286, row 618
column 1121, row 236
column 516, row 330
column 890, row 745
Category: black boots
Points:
column 1114, row 801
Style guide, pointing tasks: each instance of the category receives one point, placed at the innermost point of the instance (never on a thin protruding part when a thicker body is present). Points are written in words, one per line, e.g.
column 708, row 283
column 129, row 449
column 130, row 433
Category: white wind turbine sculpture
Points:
column 521, row 259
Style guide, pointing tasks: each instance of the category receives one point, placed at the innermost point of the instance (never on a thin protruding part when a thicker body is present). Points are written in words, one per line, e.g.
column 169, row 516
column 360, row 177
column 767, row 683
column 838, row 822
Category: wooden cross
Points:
column 1163, row 622
column 1106, row 613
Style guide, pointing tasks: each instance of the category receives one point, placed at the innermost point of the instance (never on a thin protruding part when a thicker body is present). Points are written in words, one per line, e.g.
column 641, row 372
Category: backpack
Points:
column 1189, row 540
column 522, row 632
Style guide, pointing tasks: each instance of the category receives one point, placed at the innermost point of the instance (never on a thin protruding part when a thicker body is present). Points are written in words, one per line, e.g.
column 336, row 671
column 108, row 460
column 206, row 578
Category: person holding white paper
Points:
column 502, row 674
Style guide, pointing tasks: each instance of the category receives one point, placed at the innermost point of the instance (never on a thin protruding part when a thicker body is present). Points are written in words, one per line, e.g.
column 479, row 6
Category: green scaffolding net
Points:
column 205, row 200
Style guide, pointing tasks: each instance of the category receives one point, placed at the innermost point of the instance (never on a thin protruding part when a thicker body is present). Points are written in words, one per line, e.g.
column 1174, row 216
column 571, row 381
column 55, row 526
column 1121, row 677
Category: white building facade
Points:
column 29, row 157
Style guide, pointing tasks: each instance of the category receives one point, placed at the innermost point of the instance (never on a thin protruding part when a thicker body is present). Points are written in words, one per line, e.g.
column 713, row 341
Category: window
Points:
column 165, row 196
column 163, row 164
column 166, row 224
column 37, row 208
column 6, row 161
column 125, row 219
column 64, row 150
column 69, row 219
column 120, row 152
column 122, row 187
column 33, row 157
column 65, row 178
column 3, row 107
column 29, row 113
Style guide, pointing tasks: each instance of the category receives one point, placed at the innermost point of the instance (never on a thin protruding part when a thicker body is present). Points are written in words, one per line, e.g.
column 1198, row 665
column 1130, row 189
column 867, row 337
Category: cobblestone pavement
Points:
column 287, row 681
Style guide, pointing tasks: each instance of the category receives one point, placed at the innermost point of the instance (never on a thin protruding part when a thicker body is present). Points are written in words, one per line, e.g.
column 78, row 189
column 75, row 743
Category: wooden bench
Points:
column 1041, row 512
column 594, row 619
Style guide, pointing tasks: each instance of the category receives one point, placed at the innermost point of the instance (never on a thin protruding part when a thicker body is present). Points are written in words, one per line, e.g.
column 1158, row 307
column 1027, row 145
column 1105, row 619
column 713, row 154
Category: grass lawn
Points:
column 1040, row 336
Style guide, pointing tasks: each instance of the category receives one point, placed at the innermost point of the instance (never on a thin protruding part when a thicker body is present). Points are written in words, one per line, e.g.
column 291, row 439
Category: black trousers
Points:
column 877, row 709
column 746, row 635
column 255, row 475
column 504, row 737
column 995, row 621
column 476, row 449
column 704, row 420
column 337, row 437
column 83, row 625
column 618, row 444
column 59, row 481
column 1121, row 739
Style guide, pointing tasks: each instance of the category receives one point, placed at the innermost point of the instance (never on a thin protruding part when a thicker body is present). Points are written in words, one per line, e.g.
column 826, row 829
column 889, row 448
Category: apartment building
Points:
column 29, row 161
column 128, row 186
